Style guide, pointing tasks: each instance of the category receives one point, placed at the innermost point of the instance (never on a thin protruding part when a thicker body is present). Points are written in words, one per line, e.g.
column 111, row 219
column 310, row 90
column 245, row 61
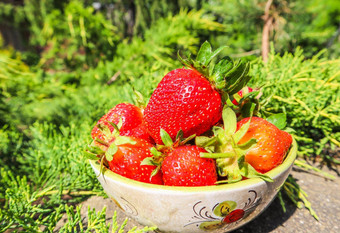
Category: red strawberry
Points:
column 185, row 167
column 240, row 95
column 191, row 99
column 130, row 114
column 140, row 132
column 127, row 162
column 271, row 147
column 96, row 132
column 185, row 100
column 132, row 122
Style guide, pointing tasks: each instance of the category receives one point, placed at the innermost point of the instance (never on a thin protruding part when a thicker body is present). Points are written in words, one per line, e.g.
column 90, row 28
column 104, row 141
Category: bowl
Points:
column 219, row 208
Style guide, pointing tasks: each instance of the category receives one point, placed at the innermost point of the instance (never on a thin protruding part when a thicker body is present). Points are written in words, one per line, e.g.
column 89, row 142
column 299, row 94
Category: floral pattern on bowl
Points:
column 223, row 213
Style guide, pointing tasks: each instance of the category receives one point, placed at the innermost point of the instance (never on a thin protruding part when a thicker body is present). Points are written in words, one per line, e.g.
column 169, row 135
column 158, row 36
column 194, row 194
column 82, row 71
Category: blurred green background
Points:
column 63, row 64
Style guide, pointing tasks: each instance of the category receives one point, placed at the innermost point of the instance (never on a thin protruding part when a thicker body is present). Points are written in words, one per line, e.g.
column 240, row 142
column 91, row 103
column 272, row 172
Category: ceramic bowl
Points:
column 219, row 208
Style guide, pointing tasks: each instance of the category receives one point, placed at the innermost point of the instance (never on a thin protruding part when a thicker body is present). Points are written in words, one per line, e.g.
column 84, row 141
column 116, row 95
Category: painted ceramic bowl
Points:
column 220, row 208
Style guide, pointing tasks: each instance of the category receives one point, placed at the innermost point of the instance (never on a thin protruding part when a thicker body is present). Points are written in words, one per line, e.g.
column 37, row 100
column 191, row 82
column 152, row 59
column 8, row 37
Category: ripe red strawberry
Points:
column 271, row 147
column 185, row 100
column 127, row 162
column 185, row 167
column 140, row 132
column 96, row 132
column 130, row 114
column 191, row 99
column 132, row 122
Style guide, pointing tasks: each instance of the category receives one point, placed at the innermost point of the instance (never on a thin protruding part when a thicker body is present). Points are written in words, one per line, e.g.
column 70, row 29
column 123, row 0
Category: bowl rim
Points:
column 287, row 163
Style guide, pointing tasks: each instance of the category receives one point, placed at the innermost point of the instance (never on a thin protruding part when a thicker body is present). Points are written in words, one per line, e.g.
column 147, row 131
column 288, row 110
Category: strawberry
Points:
column 184, row 167
column 127, row 162
column 123, row 155
column 132, row 122
column 130, row 114
column 185, row 100
column 96, row 132
column 140, row 132
column 271, row 147
column 191, row 99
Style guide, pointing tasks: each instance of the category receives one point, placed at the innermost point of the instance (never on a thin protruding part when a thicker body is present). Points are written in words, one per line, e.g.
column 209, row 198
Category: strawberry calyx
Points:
column 225, row 75
column 229, row 155
column 104, row 150
column 161, row 151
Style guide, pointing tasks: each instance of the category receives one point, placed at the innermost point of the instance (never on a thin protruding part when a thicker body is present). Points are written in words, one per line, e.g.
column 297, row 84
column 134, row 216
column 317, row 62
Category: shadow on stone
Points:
column 270, row 219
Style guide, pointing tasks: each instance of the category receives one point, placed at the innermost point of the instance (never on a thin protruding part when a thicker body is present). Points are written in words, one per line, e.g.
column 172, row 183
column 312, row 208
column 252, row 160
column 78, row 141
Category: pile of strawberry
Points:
column 199, row 128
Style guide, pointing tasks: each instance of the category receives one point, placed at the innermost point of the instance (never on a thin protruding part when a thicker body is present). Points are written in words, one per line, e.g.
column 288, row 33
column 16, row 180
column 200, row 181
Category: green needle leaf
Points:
column 155, row 171
column 116, row 127
column 139, row 99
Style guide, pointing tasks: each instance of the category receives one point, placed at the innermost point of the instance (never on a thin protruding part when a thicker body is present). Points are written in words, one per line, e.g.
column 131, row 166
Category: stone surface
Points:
column 322, row 193
column 324, row 197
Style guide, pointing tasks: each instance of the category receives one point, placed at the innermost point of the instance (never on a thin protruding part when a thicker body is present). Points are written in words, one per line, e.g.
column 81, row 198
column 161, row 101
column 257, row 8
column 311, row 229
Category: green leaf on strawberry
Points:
column 248, row 171
column 166, row 138
column 228, row 153
column 111, row 151
column 120, row 140
column 207, row 143
column 94, row 149
column 279, row 120
column 89, row 155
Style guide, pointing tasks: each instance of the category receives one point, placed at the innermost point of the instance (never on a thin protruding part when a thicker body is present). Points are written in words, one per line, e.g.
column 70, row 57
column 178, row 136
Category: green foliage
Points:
column 312, row 25
column 96, row 222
